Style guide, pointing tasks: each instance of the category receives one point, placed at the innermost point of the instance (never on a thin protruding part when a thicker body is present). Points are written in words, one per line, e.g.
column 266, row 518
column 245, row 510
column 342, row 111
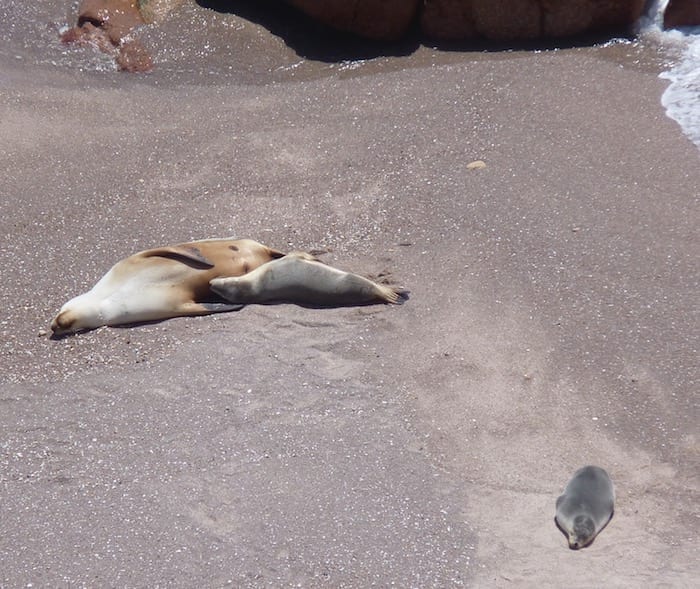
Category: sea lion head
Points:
column 76, row 315
column 582, row 533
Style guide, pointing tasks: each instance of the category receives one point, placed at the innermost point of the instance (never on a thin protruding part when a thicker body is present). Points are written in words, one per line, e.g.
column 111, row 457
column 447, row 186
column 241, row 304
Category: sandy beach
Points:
column 552, row 321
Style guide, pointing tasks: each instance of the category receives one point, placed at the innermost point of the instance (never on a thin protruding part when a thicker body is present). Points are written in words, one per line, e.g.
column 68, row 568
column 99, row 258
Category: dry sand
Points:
column 552, row 323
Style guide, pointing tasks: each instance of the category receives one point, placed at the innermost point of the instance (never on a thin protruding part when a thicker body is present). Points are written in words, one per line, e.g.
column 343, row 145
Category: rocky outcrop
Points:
column 376, row 19
column 682, row 13
column 106, row 24
column 519, row 20
column 450, row 20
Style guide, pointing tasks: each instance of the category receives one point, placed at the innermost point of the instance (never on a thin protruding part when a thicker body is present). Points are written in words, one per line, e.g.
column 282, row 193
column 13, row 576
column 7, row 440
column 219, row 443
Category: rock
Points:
column 384, row 20
column 508, row 19
column 476, row 165
column 115, row 17
column 520, row 20
column 106, row 25
column 88, row 34
column 576, row 17
column 133, row 57
column 682, row 13
column 448, row 20
column 156, row 10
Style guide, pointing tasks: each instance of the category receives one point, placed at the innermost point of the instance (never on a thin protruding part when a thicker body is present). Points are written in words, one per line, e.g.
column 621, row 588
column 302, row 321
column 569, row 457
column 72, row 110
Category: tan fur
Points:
column 160, row 283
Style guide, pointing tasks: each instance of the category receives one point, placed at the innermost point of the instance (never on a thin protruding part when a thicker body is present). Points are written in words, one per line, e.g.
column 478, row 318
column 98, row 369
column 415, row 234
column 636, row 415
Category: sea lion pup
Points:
column 586, row 506
column 160, row 283
column 302, row 279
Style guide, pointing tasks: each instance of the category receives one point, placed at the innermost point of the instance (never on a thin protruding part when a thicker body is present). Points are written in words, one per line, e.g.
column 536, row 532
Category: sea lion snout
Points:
column 62, row 324
column 76, row 315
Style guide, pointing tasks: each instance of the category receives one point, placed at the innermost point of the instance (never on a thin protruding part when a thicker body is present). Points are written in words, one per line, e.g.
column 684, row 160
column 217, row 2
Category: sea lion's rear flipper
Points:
column 187, row 254
column 400, row 295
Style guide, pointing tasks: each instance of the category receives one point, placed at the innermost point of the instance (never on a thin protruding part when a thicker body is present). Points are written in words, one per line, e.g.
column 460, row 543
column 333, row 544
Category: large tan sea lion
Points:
column 161, row 283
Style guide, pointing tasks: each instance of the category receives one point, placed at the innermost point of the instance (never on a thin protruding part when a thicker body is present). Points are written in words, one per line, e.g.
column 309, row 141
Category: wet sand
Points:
column 552, row 321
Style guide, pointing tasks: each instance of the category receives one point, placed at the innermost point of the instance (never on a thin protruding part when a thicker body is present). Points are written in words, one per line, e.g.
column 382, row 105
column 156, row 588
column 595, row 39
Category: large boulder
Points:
column 518, row 20
column 682, row 13
column 376, row 19
column 502, row 20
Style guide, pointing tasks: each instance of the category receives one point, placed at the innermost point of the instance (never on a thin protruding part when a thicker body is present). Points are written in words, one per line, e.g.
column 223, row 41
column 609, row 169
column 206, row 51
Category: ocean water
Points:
column 682, row 51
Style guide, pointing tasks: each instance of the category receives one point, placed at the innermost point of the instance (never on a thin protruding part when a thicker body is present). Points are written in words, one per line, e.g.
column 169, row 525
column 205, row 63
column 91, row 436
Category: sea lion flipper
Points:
column 194, row 308
column 401, row 294
column 220, row 307
column 187, row 254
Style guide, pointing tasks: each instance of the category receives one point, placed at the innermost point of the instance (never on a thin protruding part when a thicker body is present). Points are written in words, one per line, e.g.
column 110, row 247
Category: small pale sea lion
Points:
column 160, row 283
column 586, row 506
column 302, row 279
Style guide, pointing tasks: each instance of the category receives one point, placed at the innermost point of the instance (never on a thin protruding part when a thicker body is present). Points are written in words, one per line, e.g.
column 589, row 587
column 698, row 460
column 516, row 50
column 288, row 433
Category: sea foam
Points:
column 682, row 97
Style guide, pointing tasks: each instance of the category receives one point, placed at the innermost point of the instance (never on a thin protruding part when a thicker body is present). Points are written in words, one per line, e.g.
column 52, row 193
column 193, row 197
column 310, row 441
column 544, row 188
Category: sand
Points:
column 552, row 322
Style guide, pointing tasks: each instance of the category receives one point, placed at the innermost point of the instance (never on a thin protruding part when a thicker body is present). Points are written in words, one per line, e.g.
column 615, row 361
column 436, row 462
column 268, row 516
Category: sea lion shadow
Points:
column 58, row 337
column 54, row 337
column 403, row 297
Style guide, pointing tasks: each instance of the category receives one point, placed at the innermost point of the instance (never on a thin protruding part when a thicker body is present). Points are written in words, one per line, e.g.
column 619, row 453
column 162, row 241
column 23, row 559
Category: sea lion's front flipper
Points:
column 187, row 254
column 221, row 307
column 206, row 308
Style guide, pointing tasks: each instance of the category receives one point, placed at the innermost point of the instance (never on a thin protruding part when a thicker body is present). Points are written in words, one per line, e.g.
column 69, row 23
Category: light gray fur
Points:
column 301, row 279
column 586, row 506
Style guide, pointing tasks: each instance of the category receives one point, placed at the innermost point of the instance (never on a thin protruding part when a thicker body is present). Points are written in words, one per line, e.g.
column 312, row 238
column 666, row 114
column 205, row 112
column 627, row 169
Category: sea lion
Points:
column 160, row 283
column 586, row 506
column 300, row 278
